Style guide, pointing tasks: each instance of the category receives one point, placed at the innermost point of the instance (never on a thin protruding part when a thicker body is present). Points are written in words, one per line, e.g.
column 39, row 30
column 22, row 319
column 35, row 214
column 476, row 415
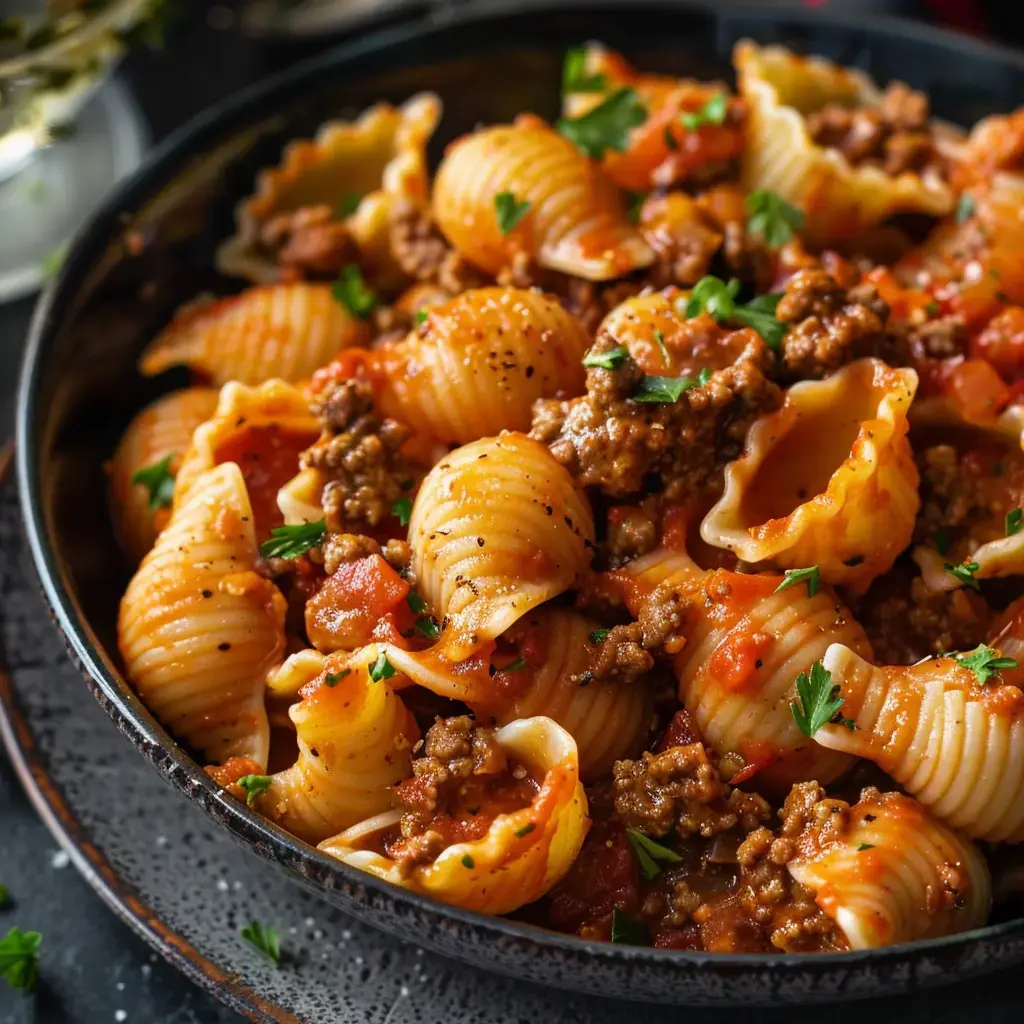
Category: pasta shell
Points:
column 607, row 720
column 498, row 527
column 839, row 200
column 477, row 364
column 163, row 428
column 892, row 874
column 378, row 158
column 828, row 480
column 576, row 221
column 956, row 746
column 523, row 854
column 198, row 629
column 281, row 331
column 355, row 741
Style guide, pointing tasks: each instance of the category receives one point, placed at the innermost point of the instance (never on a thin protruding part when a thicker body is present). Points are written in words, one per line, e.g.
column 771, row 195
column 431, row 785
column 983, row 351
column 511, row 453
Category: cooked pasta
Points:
column 162, row 431
column 576, row 524
column 576, row 220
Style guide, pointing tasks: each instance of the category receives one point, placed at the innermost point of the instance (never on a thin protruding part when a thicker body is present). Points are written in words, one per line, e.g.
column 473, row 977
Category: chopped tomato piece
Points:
column 1001, row 342
column 977, row 390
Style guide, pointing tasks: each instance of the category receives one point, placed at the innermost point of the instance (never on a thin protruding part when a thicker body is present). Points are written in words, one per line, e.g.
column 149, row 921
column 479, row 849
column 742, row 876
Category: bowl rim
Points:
column 259, row 834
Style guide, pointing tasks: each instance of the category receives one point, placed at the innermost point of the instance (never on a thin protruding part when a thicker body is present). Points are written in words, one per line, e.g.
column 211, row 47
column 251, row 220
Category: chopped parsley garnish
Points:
column 525, row 830
column 1014, row 522
column 671, row 142
column 772, row 218
column 650, row 854
column 264, row 939
column 664, row 390
column 426, row 625
column 333, row 678
column 509, row 211
column 985, row 663
column 964, row 573
column 254, row 785
column 292, row 541
column 349, row 204
column 942, row 541
column 660, row 339
column 712, row 112
column 350, row 291
column 467, row 861
column 598, row 636
column 611, row 359
column 704, row 376
column 420, row 317
column 606, row 126
column 794, row 576
column 19, row 959
column 713, row 296
column 574, row 73
column 636, row 203
column 965, row 208
column 381, row 668
column 865, row 846
column 627, row 932
column 158, row 480
column 417, row 605
column 401, row 509
column 820, row 702
column 514, row 666
column 932, row 309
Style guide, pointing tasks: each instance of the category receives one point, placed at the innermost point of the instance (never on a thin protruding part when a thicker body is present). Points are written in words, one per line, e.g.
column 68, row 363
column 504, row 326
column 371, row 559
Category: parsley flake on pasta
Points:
column 610, row 359
column 292, row 541
column 819, row 701
column 574, row 73
column 1014, row 522
column 664, row 390
column 650, row 854
column 351, row 291
column 771, row 218
column 19, row 959
column 964, row 573
column 509, row 211
column 254, row 785
column 811, row 575
column 598, row 636
column 713, row 111
column 158, row 480
column 607, row 126
column 401, row 509
column 717, row 298
column 381, row 668
column 264, row 939
column 985, row 663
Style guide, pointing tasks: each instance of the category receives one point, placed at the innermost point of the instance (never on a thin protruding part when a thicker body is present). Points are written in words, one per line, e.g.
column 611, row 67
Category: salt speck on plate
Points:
column 60, row 859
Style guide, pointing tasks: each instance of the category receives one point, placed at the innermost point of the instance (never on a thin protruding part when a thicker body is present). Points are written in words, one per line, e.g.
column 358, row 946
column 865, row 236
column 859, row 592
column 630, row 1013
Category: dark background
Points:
column 97, row 969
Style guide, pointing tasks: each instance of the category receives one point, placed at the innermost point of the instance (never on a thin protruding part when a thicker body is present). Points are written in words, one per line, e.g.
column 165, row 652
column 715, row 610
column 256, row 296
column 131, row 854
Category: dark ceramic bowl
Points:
column 79, row 389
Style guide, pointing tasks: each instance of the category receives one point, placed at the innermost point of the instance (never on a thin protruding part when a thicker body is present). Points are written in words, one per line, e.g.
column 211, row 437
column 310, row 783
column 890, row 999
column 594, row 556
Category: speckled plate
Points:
column 79, row 388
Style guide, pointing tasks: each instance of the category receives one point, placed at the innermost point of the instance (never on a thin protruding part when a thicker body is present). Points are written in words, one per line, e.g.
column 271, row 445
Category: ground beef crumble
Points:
column 311, row 242
column 424, row 254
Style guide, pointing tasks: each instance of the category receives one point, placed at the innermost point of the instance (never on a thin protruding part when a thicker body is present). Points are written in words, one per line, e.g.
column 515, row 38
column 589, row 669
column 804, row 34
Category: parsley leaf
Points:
column 1014, row 522
column 509, row 211
column 795, row 576
column 610, row 359
column 420, row 317
column 965, row 208
column 467, row 861
column 350, row 291
column 254, row 785
column 525, row 830
column 401, row 509
column 598, row 636
column 264, row 939
column 426, row 625
column 158, row 480
column 985, row 663
column 865, row 846
column 417, row 605
column 772, row 218
column 574, row 73
column 292, row 541
column 671, row 142
column 514, row 666
column 713, row 296
column 712, row 112
column 660, row 339
column 650, row 854
column 964, row 573
column 19, row 959
column 636, row 203
column 819, row 702
column 627, row 932
column 704, row 376
column 381, row 668
column 333, row 678
column 664, row 390
column 606, row 126
column 759, row 313
column 349, row 204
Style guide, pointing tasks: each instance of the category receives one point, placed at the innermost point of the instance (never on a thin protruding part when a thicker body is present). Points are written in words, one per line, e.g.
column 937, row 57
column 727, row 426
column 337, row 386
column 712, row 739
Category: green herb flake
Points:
column 985, row 663
column 264, row 939
column 650, row 854
column 865, row 846
column 401, row 509
column 810, row 575
column 663, row 390
column 158, row 479
column 467, row 861
column 660, row 339
column 759, row 314
column 598, row 636
column 574, row 73
column 1014, row 522
column 932, row 309
column 292, row 541
column 704, row 376
column 712, row 112
column 525, row 830
column 420, row 317
column 509, row 211
column 351, row 292
column 717, row 298
column 964, row 573
column 965, row 208
column 671, row 142
column 819, row 701
column 381, row 668
column 427, row 626
column 772, row 219
column 19, row 959
column 713, row 296
column 636, row 204
column 627, row 932
column 607, row 126
column 254, row 785
column 417, row 605
column 349, row 204
column 610, row 359
column 333, row 678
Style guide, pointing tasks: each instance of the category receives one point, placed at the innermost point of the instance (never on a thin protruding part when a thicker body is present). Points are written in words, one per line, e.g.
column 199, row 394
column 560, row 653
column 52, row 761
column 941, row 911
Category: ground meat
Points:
column 347, row 547
column 590, row 302
column 424, row 254
column 662, row 619
column 938, row 339
column 680, row 791
column 310, row 240
column 620, row 657
column 361, row 455
column 894, row 135
column 832, row 326
column 398, row 554
column 611, row 442
column 631, row 533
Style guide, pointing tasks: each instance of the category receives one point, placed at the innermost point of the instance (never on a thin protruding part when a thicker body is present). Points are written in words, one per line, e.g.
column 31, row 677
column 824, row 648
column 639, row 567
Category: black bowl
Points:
column 79, row 389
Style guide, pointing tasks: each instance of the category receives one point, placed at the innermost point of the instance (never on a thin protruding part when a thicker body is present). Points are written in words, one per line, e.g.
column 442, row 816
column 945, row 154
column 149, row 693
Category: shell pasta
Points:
column 585, row 510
